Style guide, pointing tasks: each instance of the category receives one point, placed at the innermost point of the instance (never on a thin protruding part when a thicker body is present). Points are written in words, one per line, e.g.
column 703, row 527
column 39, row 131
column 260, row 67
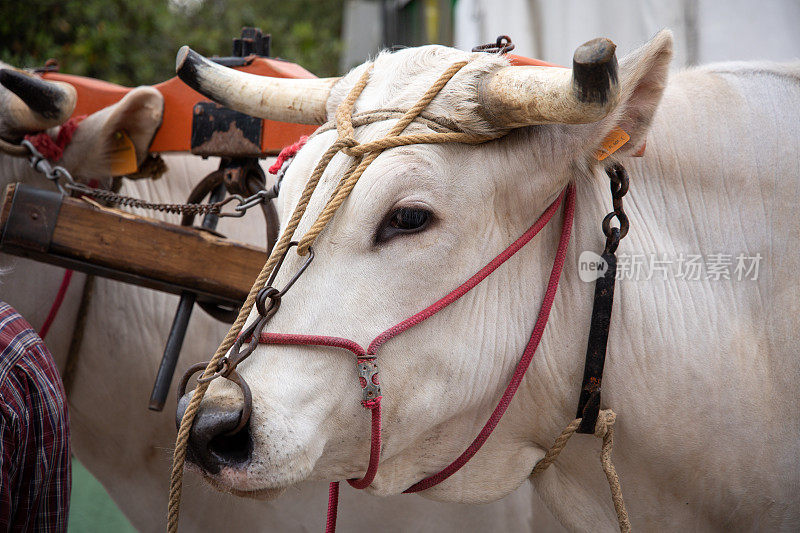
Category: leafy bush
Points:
column 133, row 42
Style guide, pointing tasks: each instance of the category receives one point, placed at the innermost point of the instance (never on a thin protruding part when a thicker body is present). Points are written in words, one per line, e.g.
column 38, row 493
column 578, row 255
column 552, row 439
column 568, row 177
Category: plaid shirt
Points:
column 35, row 473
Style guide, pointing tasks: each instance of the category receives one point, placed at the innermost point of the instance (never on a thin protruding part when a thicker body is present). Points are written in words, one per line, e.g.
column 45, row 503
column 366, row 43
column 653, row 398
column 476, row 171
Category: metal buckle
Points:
column 238, row 354
column 368, row 377
column 251, row 201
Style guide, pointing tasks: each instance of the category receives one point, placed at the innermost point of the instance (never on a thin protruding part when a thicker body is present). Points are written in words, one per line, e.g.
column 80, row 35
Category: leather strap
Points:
column 589, row 402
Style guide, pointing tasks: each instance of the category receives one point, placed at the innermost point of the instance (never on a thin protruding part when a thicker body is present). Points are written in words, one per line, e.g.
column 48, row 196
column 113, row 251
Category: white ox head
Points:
column 29, row 104
column 421, row 220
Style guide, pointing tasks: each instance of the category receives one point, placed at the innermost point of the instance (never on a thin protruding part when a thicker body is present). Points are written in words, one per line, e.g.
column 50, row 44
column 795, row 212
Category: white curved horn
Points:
column 301, row 101
column 33, row 104
column 524, row 96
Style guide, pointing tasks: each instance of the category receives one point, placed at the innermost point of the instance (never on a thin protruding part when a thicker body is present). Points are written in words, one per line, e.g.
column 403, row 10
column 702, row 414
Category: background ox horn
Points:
column 35, row 104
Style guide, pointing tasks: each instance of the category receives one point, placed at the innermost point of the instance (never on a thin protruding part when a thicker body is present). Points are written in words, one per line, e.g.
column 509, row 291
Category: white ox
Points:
column 702, row 374
column 126, row 446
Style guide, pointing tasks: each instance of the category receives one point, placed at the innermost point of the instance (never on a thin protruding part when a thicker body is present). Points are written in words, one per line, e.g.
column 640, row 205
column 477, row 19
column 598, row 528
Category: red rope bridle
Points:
column 368, row 356
column 56, row 305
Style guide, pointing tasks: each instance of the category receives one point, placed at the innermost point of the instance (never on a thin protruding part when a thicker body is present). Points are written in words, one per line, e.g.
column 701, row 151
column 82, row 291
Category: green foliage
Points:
column 133, row 42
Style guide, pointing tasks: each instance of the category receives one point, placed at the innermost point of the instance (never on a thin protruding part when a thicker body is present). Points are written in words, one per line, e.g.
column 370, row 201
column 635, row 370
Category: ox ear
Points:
column 642, row 77
column 138, row 115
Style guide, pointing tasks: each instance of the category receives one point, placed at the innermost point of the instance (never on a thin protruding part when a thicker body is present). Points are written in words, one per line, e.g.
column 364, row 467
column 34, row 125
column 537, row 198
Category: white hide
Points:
column 126, row 446
column 702, row 374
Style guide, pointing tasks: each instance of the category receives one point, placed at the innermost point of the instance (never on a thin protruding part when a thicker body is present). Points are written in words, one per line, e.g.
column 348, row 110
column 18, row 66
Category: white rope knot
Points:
column 605, row 423
column 348, row 143
column 603, row 429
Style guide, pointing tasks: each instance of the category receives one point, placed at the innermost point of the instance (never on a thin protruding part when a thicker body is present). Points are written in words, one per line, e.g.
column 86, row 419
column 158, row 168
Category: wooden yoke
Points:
column 175, row 132
column 73, row 233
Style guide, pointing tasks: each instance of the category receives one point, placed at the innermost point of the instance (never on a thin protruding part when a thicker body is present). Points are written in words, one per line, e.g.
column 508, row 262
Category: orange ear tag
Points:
column 123, row 155
column 615, row 139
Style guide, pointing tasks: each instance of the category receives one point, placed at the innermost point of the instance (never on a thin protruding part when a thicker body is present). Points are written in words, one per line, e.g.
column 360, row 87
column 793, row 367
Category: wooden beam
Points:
column 126, row 247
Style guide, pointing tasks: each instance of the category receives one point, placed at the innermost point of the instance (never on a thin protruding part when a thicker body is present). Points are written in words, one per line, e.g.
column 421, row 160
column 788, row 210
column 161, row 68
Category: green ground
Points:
column 90, row 508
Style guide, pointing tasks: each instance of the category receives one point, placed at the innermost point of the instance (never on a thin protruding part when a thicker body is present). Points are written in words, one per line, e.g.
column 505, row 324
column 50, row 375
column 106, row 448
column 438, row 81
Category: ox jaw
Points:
column 271, row 469
column 231, row 474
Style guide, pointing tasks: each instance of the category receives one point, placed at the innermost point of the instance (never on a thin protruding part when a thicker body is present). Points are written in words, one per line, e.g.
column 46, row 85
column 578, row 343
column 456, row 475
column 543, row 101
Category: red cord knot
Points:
column 370, row 384
column 53, row 149
column 287, row 153
column 372, row 404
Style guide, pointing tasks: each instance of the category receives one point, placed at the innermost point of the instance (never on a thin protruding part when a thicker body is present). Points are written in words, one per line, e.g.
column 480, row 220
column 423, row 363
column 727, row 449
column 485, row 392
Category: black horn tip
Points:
column 5, row 75
column 187, row 63
column 180, row 58
column 45, row 98
column 594, row 70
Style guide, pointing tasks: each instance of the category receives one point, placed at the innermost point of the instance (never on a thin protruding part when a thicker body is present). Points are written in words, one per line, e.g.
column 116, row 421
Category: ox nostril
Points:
column 232, row 449
column 211, row 445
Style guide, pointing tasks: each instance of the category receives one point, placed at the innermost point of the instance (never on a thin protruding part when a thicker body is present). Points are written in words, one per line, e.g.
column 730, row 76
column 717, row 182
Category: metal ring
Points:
column 222, row 368
column 623, row 223
column 247, row 397
column 61, row 172
column 34, row 153
column 619, row 178
column 235, row 377
column 191, row 371
column 274, row 296
column 619, row 188
column 615, row 172
column 205, row 187
column 502, row 45
column 300, row 271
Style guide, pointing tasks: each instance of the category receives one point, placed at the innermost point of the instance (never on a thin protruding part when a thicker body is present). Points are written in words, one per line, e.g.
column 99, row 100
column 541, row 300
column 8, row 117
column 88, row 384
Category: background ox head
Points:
column 29, row 104
column 420, row 221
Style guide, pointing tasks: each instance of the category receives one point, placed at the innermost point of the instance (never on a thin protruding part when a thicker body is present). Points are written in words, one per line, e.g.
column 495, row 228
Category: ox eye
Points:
column 402, row 221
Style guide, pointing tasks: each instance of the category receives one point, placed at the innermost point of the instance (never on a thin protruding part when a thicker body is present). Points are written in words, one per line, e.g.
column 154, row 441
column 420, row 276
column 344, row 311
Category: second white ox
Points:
column 703, row 374
column 113, row 434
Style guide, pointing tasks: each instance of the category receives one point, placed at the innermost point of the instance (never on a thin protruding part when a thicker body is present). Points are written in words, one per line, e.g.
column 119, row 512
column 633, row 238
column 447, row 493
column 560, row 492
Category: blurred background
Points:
column 133, row 42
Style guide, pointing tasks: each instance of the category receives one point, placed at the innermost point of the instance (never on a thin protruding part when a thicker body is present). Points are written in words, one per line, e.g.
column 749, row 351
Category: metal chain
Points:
column 619, row 188
column 503, row 45
column 178, row 209
column 61, row 177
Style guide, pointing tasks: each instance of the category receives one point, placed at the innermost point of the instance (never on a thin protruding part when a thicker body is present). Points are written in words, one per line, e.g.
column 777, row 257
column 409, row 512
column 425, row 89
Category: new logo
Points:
column 591, row 266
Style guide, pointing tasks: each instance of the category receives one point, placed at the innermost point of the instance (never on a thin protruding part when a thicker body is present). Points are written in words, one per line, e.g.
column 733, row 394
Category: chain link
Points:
column 618, row 177
column 61, row 177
